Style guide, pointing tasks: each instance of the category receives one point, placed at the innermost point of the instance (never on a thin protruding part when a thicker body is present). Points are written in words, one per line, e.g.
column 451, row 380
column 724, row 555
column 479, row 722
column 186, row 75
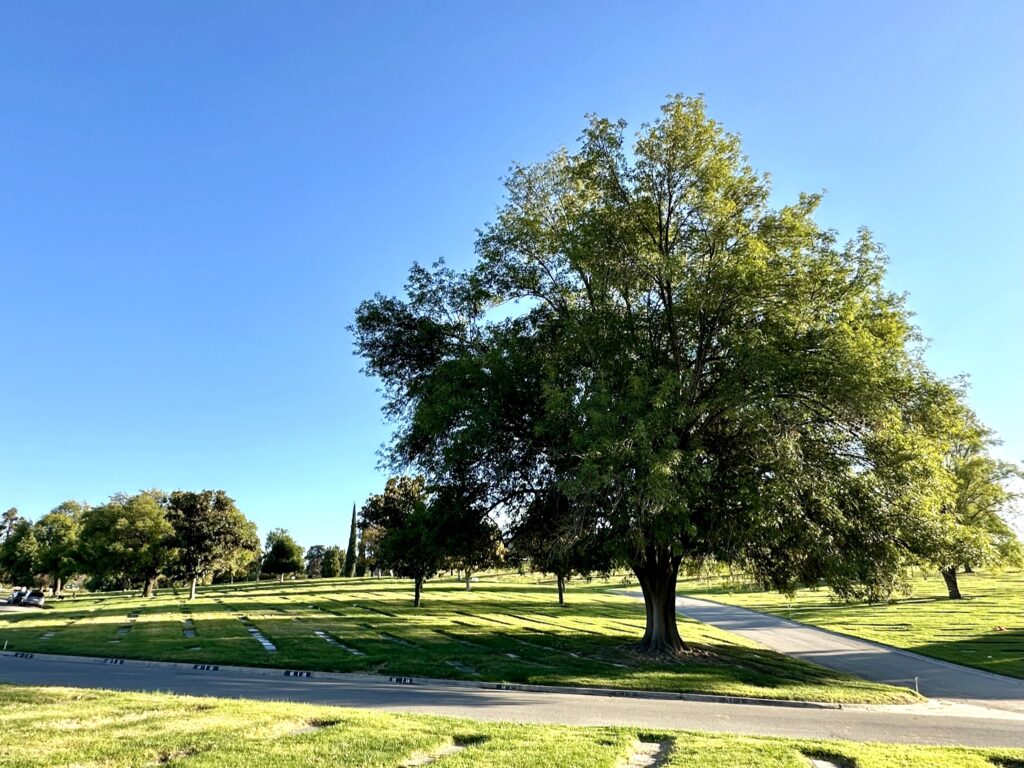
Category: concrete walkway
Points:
column 862, row 658
column 916, row 724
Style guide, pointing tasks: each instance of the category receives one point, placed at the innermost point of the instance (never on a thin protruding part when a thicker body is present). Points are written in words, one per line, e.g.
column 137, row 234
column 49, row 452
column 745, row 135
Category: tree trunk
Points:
column 282, row 578
column 968, row 569
column 58, row 586
column 419, row 589
column 192, row 588
column 148, row 587
column 561, row 589
column 949, row 576
column 657, row 574
column 468, row 587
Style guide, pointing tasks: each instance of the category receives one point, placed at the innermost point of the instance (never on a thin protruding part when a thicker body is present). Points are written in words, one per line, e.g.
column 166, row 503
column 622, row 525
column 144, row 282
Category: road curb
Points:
column 207, row 668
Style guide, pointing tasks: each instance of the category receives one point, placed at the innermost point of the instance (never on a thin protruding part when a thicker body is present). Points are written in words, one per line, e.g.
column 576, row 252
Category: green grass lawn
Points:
column 508, row 630
column 73, row 728
column 985, row 630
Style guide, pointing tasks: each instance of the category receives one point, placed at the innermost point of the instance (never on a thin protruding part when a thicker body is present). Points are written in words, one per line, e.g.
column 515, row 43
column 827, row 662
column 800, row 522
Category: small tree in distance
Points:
column 410, row 541
column 472, row 540
column 283, row 554
column 972, row 527
column 555, row 542
column 331, row 566
column 315, row 561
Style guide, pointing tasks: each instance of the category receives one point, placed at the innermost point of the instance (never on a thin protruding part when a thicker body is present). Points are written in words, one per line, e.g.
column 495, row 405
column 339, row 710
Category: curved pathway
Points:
column 862, row 658
column 916, row 724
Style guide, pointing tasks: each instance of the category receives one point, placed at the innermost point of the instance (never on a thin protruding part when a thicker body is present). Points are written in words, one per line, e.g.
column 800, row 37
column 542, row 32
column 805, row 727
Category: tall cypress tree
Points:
column 350, row 551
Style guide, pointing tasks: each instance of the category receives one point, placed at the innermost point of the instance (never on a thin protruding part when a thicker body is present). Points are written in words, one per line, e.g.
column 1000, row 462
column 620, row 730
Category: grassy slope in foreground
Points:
column 504, row 630
column 985, row 630
column 101, row 729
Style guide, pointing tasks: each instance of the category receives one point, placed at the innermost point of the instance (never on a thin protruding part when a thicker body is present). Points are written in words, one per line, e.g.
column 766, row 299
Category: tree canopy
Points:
column 315, row 561
column 123, row 543
column 697, row 374
column 19, row 553
column 332, row 563
column 8, row 520
column 57, row 534
column 208, row 533
column 283, row 555
column 972, row 529
column 410, row 542
column 553, row 541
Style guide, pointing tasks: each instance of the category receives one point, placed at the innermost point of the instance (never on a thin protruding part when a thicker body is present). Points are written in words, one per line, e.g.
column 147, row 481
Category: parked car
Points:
column 18, row 595
column 35, row 598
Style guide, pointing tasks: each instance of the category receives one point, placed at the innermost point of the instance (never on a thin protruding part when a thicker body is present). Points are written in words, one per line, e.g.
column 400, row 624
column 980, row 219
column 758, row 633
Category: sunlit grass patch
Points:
column 505, row 630
column 985, row 630
column 72, row 728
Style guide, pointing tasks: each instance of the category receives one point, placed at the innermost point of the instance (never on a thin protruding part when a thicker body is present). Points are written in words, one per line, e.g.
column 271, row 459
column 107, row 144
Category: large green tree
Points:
column 125, row 542
column 209, row 533
column 555, row 541
column 282, row 555
column 702, row 375
column 57, row 534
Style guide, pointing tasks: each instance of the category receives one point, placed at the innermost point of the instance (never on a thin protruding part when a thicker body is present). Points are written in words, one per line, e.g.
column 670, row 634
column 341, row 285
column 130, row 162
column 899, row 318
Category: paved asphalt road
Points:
column 881, row 663
column 916, row 725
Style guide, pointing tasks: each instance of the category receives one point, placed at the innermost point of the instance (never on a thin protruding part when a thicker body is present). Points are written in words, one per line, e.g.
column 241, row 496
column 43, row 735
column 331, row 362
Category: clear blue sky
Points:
column 194, row 197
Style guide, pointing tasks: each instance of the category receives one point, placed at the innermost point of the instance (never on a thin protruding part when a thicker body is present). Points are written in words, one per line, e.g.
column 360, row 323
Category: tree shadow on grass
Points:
column 492, row 633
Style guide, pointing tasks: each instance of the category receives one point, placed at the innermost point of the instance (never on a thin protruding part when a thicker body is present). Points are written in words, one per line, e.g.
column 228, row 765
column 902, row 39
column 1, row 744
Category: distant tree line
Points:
column 131, row 542
column 134, row 541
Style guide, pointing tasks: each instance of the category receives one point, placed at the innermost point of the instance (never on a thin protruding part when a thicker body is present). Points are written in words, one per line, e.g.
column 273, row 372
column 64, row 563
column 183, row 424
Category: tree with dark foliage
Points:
column 349, row 568
column 411, row 543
